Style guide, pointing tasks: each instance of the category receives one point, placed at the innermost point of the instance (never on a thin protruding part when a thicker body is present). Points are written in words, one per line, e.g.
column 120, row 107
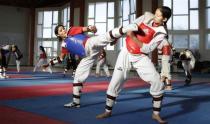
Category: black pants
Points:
column 3, row 62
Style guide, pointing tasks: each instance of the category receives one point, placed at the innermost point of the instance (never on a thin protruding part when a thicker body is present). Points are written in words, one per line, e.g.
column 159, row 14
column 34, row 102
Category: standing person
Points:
column 66, row 56
column 69, row 62
column 5, row 53
column 138, row 45
column 42, row 60
column 66, row 63
column 86, row 48
column 188, row 62
column 102, row 62
column 165, row 49
column 18, row 57
column 75, row 59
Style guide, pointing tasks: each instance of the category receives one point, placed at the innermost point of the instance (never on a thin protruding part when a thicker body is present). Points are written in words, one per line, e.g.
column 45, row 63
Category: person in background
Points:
column 42, row 61
column 102, row 62
column 188, row 62
column 5, row 53
column 18, row 56
column 70, row 61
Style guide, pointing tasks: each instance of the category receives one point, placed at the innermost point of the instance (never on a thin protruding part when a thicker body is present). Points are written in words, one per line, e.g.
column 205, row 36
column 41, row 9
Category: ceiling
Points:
column 33, row 3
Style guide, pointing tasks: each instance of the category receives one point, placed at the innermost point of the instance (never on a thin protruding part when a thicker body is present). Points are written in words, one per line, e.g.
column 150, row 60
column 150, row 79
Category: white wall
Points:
column 14, row 25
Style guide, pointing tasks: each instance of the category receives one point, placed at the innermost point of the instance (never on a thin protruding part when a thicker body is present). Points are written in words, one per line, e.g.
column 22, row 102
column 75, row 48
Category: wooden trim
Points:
column 77, row 4
column 82, row 12
column 33, row 3
column 139, row 8
column 155, row 52
column 31, row 36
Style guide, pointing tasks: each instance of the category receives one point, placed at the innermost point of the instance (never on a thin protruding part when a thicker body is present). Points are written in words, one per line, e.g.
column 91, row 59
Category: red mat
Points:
column 19, row 76
column 15, row 116
column 58, row 89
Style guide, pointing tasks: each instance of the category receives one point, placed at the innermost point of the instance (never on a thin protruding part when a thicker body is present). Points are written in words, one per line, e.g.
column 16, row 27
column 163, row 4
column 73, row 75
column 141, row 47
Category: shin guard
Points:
column 157, row 102
column 110, row 100
column 77, row 87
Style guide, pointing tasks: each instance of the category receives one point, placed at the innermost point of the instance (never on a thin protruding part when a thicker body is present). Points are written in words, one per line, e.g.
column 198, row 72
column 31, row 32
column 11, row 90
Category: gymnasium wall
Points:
column 14, row 29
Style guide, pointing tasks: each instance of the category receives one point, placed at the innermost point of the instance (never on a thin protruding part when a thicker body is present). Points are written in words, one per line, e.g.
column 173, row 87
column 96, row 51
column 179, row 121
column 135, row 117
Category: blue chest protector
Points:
column 75, row 44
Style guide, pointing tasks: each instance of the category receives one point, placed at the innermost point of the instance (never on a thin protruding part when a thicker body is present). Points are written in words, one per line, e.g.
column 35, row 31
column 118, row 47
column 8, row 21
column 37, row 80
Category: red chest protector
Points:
column 146, row 36
column 64, row 50
column 166, row 50
column 43, row 56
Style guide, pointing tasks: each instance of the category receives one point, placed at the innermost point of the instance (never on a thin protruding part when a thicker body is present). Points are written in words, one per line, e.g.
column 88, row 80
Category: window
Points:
column 46, row 22
column 184, row 23
column 126, row 14
column 180, row 41
column 194, row 41
column 65, row 17
column 208, row 41
column 208, row 24
column 101, row 14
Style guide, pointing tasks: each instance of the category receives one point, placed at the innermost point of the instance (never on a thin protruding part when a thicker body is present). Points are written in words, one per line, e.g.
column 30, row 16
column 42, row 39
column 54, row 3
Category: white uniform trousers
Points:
column 144, row 67
column 188, row 66
column 93, row 46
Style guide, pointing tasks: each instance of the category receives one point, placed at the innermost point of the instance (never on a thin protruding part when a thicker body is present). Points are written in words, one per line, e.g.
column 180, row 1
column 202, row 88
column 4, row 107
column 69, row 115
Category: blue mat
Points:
column 184, row 105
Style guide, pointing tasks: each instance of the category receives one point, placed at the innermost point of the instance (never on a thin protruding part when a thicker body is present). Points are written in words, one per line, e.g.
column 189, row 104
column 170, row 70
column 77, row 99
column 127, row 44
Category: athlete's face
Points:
column 62, row 32
column 13, row 49
column 159, row 19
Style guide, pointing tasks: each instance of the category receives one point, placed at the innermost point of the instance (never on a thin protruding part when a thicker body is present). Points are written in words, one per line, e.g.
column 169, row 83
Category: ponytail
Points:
column 166, row 12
